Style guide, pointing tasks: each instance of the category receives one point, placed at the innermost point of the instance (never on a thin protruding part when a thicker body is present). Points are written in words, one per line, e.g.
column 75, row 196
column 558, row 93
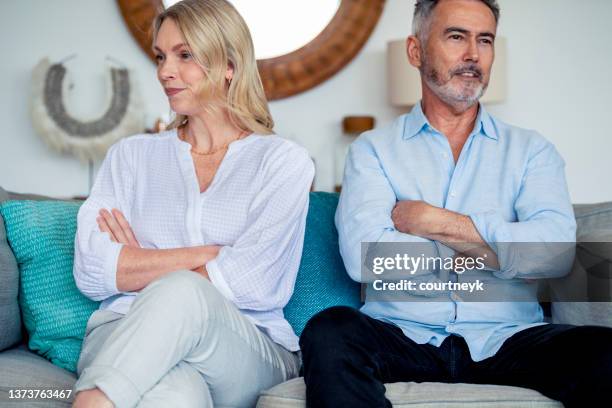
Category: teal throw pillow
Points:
column 322, row 281
column 41, row 235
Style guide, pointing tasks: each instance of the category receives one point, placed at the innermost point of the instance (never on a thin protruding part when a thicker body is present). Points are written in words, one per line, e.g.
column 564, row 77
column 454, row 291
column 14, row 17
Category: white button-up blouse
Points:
column 255, row 208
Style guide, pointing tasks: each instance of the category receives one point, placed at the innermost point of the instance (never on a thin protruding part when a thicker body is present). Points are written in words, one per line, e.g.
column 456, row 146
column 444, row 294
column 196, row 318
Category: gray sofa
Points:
column 21, row 369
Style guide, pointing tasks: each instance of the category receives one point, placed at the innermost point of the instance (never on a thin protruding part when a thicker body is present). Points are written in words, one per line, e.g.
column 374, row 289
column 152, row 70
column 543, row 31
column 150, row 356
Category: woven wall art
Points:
column 87, row 139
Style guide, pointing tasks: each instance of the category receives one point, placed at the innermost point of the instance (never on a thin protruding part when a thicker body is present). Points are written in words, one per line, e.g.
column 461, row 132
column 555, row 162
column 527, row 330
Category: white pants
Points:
column 182, row 344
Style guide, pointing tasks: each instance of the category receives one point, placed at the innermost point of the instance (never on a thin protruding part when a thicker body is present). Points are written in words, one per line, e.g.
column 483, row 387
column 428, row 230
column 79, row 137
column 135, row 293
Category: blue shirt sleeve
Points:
column 545, row 220
column 364, row 210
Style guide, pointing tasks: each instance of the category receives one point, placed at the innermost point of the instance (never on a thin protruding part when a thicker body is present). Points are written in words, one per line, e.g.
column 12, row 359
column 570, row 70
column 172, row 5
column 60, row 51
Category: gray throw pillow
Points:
column 591, row 272
column 10, row 318
column 592, row 218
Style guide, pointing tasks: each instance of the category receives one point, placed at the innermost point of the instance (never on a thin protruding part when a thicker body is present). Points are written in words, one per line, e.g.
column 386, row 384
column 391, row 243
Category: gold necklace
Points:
column 212, row 151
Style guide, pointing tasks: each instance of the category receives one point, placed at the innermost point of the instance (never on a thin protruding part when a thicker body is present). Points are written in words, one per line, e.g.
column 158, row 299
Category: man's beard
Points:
column 459, row 96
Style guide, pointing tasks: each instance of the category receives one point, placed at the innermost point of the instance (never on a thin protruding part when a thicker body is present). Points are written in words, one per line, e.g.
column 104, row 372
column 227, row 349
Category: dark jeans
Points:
column 348, row 357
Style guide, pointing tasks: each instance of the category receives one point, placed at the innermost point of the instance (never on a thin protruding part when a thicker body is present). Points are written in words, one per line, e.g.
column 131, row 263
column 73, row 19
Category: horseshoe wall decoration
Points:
column 88, row 140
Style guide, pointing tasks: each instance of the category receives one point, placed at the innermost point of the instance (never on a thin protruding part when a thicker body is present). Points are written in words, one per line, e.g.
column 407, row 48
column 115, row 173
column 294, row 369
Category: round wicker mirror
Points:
column 296, row 71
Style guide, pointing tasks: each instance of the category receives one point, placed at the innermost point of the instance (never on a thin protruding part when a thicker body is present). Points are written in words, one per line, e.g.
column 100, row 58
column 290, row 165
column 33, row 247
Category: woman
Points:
column 192, row 238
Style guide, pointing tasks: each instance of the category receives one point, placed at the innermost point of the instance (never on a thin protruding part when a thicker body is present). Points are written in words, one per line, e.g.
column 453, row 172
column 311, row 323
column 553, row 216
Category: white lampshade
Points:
column 404, row 80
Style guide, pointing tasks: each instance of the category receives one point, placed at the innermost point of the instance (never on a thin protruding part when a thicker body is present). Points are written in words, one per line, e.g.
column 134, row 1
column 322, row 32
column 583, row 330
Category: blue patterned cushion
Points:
column 55, row 313
column 322, row 281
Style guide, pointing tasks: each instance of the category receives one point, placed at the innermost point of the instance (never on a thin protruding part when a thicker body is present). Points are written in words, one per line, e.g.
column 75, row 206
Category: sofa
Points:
column 322, row 282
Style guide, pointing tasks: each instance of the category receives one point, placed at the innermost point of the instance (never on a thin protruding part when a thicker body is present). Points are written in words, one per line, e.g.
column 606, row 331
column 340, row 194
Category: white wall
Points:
column 559, row 67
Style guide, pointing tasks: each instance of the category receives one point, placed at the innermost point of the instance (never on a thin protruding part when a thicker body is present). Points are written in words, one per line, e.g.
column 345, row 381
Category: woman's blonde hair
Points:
column 218, row 36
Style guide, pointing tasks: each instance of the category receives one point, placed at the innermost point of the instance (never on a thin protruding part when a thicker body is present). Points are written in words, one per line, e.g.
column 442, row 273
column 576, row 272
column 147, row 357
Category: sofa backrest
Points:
column 10, row 318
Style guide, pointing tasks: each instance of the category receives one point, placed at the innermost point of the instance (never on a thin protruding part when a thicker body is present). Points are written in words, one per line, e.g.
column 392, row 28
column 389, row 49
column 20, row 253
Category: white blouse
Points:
column 255, row 208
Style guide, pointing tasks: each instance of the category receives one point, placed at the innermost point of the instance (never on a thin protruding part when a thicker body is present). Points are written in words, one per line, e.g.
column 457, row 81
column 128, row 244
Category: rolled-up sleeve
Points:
column 364, row 212
column 533, row 246
column 95, row 255
column 258, row 272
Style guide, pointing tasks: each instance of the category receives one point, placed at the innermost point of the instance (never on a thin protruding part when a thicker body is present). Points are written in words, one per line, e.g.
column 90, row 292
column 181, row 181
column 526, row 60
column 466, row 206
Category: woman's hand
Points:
column 202, row 271
column 115, row 225
column 212, row 251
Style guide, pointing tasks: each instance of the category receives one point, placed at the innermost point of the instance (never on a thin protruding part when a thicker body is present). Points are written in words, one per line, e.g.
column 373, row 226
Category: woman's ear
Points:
column 413, row 49
column 229, row 73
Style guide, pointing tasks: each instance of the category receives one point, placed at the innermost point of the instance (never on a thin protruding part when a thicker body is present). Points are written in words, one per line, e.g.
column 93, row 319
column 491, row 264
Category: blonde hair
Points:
column 218, row 36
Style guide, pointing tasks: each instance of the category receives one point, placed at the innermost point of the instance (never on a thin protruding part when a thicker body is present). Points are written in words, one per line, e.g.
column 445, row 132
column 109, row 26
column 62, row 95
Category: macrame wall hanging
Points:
column 88, row 140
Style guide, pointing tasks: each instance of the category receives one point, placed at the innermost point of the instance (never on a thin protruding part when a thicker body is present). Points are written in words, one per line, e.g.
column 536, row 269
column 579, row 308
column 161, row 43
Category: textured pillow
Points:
column 594, row 222
column 55, row 313
column 322, row 281
column 591, row 218
column 10, row 320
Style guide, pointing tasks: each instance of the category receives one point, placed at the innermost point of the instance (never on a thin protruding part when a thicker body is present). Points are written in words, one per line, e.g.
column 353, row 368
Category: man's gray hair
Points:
column 424, row 8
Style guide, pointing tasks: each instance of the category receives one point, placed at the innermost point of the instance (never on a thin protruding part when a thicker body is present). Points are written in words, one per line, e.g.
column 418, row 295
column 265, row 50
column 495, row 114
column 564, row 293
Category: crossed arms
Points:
column 369, row 210
column 249, row 270
column 137, row 267
column 454, row 230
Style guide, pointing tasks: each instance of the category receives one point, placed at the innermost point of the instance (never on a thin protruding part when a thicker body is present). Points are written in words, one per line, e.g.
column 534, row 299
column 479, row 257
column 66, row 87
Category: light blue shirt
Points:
column 509, row 181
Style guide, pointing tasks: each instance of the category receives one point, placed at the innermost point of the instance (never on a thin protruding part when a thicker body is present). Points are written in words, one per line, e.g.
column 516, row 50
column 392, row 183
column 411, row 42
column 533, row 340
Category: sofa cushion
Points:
column 292, row 394
column 55, row 313
column 322, row 281
column 10, row 319
column 22, row 369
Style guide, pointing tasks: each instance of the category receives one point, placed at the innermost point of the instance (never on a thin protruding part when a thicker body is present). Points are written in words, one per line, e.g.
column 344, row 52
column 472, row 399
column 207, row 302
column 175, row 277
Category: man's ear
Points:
column 414, row 51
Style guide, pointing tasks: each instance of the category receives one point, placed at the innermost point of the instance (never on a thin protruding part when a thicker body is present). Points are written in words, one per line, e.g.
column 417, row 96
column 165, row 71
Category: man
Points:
column 449, row 173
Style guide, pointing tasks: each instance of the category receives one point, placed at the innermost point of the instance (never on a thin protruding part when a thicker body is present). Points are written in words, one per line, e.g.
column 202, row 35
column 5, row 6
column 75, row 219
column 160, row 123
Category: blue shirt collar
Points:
column 416, row 120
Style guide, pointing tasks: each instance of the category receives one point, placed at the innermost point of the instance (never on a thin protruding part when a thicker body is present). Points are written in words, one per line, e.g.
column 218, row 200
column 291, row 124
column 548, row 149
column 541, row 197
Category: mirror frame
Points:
column 297, row 71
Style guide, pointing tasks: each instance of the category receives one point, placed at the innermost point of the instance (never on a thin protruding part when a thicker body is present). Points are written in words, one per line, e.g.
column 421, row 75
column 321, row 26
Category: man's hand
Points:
column 416, row 217
column 115, row 225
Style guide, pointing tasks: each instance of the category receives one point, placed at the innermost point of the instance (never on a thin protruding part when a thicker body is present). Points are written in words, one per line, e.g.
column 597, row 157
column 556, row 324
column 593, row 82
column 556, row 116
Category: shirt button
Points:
column 445, row 155
column 453, row 194
column 455, row 297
